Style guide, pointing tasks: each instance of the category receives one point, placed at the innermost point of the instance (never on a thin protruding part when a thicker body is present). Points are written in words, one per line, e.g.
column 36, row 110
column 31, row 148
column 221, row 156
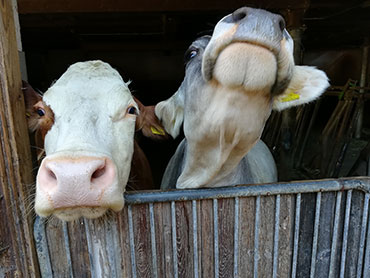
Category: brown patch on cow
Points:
column 40, row 125
column 148, row 123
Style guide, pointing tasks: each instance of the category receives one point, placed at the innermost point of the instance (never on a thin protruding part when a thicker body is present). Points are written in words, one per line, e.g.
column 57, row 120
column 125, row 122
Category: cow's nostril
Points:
column 239, row 15
column 51, row 174
column 98, row 172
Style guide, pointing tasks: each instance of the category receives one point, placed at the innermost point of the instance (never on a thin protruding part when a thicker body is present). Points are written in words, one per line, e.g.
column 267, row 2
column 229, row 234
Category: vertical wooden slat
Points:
column 354, row 233
column 123, row 228
column 325, row 234
column 104, row 246
column 162, row 215
column 206, row 238
column 184, row 239
column 141, row 228
column 247, row 208
column 266, row 236
column 286, row 235
column 17, row 256
column 153, row 242
column 57, row 248
column 79, row 252
column 226, row 210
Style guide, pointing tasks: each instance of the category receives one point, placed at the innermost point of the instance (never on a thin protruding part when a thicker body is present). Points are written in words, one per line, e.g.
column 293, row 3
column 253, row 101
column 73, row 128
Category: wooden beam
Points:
column 83, row 6
column 17, row 255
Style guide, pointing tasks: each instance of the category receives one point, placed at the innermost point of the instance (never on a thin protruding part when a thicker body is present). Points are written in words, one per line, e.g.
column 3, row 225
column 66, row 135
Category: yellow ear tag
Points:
column 290, row 97
column 157, row 131
column 28, row 115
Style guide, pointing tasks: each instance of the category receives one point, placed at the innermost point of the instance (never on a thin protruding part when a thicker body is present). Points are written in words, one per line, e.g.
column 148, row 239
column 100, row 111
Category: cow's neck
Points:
column 217, row 143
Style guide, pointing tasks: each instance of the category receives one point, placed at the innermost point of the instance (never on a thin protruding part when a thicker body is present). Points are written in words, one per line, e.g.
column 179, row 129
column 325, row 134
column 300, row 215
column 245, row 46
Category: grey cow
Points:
column 233, row 81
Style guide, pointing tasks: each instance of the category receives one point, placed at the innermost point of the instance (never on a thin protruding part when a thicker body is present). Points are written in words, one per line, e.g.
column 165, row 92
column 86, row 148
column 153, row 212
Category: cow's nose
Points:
column 76, row 182
column 239, row 14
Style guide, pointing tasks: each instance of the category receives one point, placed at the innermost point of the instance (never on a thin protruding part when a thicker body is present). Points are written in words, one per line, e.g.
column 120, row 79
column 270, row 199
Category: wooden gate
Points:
column 300, row 229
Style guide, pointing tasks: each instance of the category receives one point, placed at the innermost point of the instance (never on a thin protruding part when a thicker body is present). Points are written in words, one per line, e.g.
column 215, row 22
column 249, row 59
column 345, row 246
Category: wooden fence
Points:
column 302, row 229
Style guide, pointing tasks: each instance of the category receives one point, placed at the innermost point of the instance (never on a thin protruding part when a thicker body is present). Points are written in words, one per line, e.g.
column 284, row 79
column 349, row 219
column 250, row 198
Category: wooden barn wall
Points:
column 17, row 255
column 46, row 6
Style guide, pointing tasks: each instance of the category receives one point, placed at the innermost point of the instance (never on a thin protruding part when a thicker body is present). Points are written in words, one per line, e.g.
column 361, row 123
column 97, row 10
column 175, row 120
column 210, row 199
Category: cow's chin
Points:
column 245, row 65
column 70, row 214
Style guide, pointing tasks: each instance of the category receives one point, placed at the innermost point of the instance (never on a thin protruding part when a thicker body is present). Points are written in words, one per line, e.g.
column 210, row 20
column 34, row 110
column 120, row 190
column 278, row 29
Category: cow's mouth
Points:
column 251, row 67
column 70, row 214
column 215, row 49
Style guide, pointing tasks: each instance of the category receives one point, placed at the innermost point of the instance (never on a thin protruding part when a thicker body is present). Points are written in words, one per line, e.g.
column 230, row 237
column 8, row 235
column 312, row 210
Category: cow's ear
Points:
column 148, row 123
column 171, row 113
column 306, row 85
column 31, row 97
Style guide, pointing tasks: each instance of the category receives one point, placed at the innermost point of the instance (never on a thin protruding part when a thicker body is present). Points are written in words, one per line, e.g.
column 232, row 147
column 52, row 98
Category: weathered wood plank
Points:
column 104, row 246
column 57, row 248
column 286, row 236
column 356, row 214
column 162, row 224
column 79, row 249
column 246, row 236
column 226, row 236
column 306, row 228
column 15, row 161
column 184, row 239
column 205, row 242
column 327, row 214
column 141, row 225
column 122, row 219
column 42, row 6
column 266, row 236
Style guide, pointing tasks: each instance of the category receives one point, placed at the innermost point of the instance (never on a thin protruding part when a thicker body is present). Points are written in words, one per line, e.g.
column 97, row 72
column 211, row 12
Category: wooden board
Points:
column 58, row 6
column 17, row 253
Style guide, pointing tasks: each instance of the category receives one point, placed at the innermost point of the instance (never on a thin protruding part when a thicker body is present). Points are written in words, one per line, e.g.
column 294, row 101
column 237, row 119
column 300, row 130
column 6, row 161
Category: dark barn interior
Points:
column 145, row 40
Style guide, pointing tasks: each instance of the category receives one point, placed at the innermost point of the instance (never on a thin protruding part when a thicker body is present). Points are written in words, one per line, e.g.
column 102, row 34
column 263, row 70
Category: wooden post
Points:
column 17, row 251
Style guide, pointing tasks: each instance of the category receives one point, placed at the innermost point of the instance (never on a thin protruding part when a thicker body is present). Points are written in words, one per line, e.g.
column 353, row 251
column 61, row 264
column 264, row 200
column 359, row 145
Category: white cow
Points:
column 87, row 118
column 233, row 80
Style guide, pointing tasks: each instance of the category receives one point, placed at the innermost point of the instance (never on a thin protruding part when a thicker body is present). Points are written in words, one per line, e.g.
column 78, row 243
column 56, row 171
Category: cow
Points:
column 233, row 80
column 85, row 122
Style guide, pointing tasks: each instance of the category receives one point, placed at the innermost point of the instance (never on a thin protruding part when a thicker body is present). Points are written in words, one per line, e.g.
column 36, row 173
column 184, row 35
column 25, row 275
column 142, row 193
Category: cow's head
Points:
column 86, row 122
column 233, row 80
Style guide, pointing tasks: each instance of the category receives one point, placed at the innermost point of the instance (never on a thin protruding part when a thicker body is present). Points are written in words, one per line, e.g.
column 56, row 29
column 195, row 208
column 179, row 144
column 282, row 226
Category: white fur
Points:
column 171, row 113
column 89, row 102
column 307, row 82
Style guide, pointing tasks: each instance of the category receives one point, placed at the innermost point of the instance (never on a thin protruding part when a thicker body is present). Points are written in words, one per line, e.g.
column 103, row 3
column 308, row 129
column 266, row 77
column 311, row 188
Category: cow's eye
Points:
column 132, row 110
column 40, row 112
column 190, row 54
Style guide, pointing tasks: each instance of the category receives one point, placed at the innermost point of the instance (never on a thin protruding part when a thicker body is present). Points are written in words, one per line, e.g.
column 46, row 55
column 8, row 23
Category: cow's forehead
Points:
column 84, row 84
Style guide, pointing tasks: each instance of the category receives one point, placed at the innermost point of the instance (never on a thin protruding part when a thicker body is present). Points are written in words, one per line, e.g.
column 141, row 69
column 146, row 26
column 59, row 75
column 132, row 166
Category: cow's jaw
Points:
column 221, row 133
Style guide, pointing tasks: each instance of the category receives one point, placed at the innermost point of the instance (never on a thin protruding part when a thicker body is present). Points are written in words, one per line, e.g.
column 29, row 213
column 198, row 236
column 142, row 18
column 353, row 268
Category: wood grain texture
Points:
column 286, row 235
column 122, row 219
column 104, row 246
column 356, row 214
column 306, row 228
column 184, row 239
column 226, row 236
column 79, row 249
column 246, row 236
column 162, row 224
column 206, row 240
column 57, row 248
column 325, row 233
column 15, row 159
column 266, row 236
column 141, row 224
